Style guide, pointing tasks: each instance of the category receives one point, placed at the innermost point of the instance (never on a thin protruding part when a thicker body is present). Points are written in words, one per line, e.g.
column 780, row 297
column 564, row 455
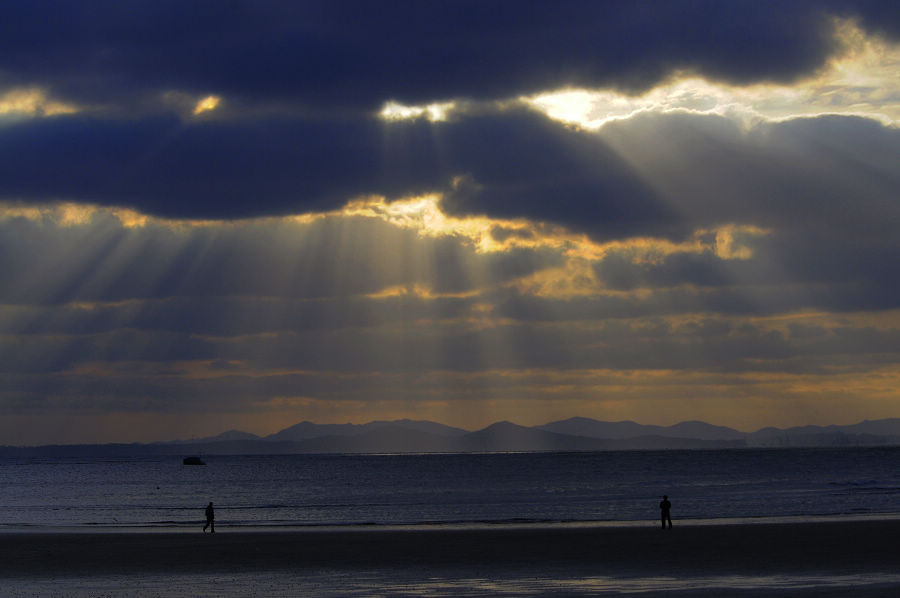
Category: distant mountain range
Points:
column 408, row 436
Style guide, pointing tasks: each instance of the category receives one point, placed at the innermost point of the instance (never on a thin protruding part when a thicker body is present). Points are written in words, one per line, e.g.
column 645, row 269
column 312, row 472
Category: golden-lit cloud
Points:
column 574, row 277
column 862, row 81
column 188, row 105
column 436, row 112
column 207, row 104
column 32, row 102
column 424, row 215
column 69, row 214
column 418, row 291
column 63, row 214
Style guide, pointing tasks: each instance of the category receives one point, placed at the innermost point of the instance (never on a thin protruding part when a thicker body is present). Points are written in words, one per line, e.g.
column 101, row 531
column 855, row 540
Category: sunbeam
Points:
column 706, row 233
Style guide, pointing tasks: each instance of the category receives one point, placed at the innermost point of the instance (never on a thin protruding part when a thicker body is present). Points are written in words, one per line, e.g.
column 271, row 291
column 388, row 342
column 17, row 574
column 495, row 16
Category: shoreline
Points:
column 277, row 528
column 835, row 547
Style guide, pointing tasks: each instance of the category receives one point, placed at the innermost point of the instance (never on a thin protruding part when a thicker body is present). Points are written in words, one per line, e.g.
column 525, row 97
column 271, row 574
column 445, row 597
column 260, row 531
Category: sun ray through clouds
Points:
column 631, row 216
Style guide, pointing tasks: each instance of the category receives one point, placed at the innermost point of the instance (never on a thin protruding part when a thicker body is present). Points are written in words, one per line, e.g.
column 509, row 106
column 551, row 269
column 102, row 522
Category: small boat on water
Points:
column 193, row 461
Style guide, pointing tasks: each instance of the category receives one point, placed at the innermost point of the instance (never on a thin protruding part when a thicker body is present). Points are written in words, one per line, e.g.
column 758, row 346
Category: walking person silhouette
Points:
column 665, row 511
column 210, row 518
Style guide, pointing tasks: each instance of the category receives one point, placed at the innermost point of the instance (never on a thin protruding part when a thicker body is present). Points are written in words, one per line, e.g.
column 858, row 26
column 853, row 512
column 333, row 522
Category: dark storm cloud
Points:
column 877, row 16
column 203, row 170
column 653, row 175
column 360, row 54
column 520, row 164
column 521, row 160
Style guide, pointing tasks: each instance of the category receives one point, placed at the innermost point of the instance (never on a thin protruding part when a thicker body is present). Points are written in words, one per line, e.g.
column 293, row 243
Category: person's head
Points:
column 664, row 498
column 210, row 503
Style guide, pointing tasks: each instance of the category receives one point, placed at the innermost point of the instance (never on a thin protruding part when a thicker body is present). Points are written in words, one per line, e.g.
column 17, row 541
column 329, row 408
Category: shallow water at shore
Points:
column 298, row 491
column 438, row 584
column 799, row 559
column 787, row 559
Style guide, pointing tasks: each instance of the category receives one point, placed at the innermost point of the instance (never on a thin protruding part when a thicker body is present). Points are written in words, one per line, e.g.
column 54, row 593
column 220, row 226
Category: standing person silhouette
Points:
column 210, row 518
column 665, row 511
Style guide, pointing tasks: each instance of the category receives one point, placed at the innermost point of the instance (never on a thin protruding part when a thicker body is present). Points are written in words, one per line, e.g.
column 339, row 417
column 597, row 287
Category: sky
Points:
column 247, row 214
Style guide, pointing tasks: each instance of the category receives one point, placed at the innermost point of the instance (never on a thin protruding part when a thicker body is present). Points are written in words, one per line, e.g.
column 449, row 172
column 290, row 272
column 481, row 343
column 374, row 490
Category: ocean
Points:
column 298, row 491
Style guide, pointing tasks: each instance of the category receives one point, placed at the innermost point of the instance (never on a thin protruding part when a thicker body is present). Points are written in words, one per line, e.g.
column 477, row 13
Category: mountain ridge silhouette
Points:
column 422, row 436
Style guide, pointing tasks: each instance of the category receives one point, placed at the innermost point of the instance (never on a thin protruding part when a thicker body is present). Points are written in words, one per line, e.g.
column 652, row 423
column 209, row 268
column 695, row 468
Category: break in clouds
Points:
column 265, row 252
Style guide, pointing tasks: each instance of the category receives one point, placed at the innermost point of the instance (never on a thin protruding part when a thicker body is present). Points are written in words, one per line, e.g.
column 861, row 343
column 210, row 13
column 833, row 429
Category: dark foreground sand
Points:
column 835, row 548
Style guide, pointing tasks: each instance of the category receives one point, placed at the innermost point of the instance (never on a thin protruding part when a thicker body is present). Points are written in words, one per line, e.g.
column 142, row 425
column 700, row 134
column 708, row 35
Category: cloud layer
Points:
column 204, row 211
column 356, row 54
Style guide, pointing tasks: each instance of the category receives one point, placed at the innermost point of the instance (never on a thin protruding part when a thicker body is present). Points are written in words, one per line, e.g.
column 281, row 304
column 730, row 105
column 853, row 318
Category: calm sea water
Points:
column 322, row 490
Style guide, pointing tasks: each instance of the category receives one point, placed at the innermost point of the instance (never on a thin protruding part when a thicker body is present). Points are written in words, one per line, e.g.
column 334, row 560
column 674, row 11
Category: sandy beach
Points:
column 852, row 551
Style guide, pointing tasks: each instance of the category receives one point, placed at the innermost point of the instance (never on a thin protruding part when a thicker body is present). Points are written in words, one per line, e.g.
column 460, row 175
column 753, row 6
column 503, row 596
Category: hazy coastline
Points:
column 410, row 436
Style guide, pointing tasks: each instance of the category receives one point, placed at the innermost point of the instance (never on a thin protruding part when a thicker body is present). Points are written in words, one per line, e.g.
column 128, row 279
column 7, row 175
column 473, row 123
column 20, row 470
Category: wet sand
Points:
column 838, row 548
